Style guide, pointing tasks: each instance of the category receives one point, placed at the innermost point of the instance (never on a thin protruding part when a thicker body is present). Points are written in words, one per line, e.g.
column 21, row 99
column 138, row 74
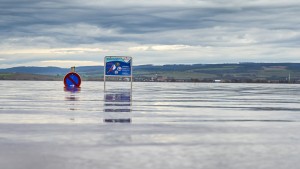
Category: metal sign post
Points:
column 117, row 66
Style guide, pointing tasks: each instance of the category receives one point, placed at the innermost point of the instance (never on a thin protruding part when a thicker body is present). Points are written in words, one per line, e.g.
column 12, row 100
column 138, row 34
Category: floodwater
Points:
column 152, row 126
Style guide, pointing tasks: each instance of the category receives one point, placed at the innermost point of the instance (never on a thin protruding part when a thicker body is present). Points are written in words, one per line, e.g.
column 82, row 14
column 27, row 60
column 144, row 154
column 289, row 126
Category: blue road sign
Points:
column 72, row 80
column 118, row 66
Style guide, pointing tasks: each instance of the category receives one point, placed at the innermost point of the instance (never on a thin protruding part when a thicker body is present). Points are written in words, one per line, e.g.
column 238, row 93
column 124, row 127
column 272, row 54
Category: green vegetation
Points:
column 243, row 72
column 21, row 76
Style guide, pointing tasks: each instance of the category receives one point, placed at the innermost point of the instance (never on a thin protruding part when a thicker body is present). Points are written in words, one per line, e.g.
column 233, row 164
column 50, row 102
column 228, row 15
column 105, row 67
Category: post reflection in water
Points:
column 117, row 106
column 71, row 96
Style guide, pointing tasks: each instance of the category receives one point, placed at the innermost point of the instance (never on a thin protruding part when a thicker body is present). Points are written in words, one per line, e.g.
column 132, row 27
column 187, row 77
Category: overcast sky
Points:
column 76, row 32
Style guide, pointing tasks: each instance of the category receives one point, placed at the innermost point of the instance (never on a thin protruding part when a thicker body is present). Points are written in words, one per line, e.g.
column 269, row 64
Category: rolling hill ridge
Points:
column 240, row 72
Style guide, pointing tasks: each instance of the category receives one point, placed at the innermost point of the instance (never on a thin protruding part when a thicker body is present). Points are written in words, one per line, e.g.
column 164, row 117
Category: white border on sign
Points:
column 104, row 72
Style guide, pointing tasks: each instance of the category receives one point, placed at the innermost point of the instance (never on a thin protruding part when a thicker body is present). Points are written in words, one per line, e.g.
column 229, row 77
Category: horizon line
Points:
column 167, row 64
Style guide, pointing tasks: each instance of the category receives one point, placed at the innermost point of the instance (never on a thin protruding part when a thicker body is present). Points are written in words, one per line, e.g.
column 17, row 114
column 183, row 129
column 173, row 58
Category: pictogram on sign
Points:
column 72, row 79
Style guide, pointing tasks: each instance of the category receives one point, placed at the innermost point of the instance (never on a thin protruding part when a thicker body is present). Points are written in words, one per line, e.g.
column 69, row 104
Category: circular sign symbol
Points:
column 72, row 80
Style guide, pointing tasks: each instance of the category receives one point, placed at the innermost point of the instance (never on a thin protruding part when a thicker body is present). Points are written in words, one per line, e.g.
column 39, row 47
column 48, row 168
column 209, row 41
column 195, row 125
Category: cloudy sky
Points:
column 76, row 32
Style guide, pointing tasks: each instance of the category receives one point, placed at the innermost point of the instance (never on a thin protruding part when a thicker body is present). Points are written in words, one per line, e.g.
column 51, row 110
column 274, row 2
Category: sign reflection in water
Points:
column 117, row 106
column 71, row 96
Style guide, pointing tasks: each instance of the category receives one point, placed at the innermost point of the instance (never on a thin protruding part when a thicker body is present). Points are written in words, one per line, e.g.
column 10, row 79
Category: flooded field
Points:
column 151, row 126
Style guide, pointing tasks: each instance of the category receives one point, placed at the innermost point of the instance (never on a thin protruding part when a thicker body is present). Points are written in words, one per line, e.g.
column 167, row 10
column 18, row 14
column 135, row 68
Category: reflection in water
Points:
column 117, row 106
column 72, row 89
column 72, row 96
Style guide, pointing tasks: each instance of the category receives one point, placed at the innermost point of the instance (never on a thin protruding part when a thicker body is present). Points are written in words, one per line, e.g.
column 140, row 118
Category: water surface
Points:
column 154, row 125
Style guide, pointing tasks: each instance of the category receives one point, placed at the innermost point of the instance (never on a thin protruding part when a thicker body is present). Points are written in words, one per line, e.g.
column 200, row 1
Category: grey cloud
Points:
column 140, row 20
column 214, row 23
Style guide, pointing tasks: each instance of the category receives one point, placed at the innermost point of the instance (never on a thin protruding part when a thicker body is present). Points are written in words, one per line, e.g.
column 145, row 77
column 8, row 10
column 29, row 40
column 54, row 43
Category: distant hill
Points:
column 241, row 72
column 36, row 70
column 24, row 76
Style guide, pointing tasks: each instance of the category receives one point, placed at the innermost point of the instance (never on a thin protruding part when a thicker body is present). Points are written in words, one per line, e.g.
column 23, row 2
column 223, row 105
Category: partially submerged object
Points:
column 72, row 79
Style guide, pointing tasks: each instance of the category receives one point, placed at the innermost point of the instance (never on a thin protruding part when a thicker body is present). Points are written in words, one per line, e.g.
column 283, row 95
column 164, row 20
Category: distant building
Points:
column 161, row 79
